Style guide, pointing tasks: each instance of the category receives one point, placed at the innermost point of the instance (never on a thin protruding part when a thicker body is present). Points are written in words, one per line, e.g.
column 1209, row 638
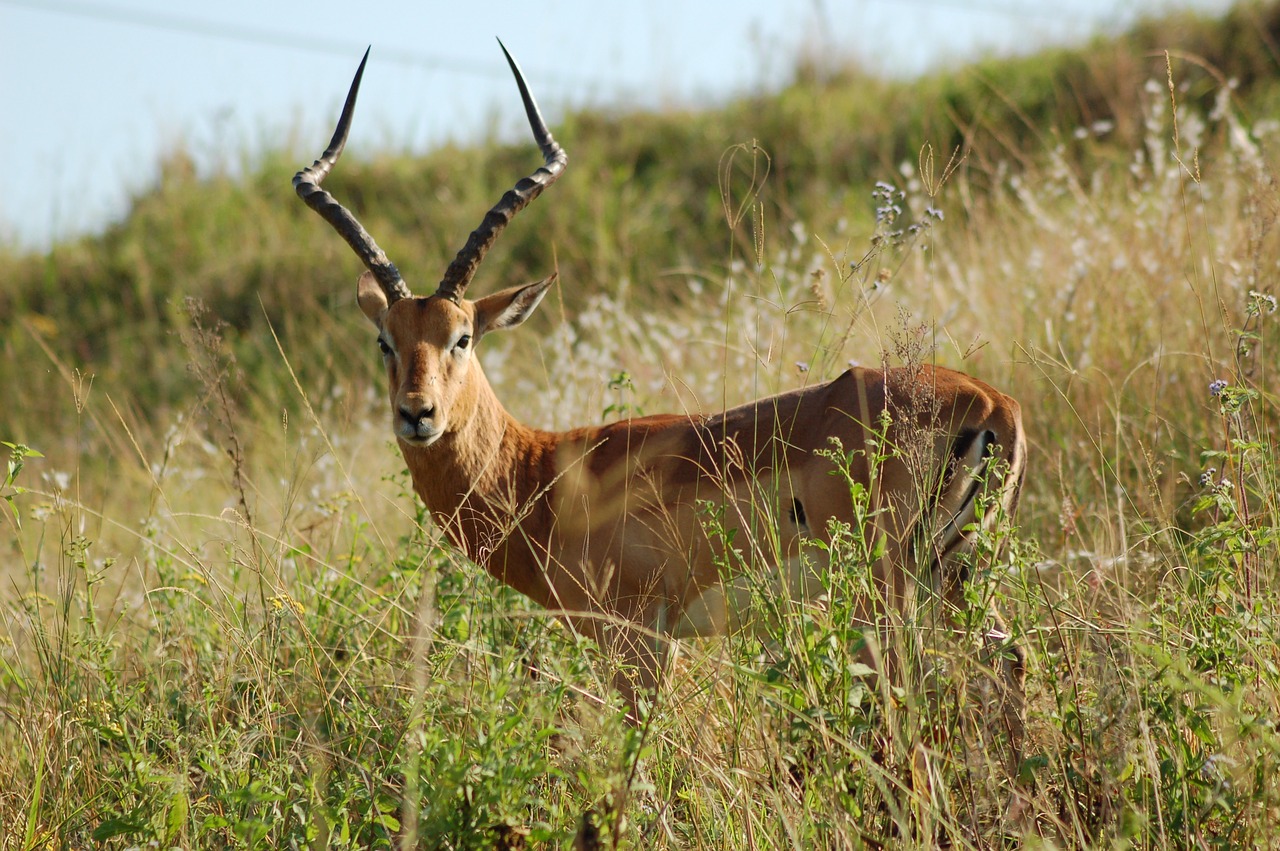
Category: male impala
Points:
column 603, row 524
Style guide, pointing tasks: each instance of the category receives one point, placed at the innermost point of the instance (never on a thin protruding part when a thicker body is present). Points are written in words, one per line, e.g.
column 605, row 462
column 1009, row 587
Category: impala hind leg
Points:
column 1008, row 661
column 1000, row 687
column 974, row 503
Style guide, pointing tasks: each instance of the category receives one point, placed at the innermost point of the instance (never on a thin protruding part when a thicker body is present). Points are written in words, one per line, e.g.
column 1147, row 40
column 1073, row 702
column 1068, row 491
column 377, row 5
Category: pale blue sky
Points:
column 93, row 91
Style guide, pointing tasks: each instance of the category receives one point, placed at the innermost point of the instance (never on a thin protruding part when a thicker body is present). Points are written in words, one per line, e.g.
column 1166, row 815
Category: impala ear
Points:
column 373, row 301
column 508, row 308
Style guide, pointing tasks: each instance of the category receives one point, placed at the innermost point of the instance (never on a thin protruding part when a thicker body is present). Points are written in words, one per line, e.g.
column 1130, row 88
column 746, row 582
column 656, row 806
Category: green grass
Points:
column 226, row 621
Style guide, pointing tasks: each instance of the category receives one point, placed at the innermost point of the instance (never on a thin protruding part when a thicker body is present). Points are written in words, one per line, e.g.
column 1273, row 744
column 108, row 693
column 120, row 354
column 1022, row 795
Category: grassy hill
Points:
column 642, row 198
column 227, row 621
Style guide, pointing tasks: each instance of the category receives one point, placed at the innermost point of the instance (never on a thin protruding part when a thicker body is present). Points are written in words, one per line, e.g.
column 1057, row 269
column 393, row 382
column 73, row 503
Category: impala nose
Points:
column 417, row 422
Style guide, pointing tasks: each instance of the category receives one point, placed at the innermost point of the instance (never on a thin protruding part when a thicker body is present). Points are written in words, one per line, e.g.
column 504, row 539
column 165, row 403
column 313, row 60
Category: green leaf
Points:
column 176, row 817
column 34, row 813
column 123, row 826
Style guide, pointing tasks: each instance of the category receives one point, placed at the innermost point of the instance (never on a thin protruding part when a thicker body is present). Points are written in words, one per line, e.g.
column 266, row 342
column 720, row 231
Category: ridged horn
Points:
column 307, row 184
column 464, row 266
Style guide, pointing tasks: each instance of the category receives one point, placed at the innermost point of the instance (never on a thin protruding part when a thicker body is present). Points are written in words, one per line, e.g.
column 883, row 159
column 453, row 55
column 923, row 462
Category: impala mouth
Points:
column 422, row 433
column 421, row 441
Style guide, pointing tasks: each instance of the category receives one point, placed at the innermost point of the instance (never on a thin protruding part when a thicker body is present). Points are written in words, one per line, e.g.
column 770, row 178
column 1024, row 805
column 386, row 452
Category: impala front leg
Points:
column 639, row 647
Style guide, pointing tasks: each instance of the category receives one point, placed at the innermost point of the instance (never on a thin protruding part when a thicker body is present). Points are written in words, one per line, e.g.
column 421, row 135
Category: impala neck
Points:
column 474, row 457
column 479, row 476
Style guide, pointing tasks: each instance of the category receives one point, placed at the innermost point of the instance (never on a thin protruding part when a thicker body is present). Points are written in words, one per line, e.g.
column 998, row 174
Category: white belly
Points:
column 726, row 607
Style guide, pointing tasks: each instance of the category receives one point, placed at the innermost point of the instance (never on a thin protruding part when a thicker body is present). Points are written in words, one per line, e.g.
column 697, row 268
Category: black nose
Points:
column 419, row 417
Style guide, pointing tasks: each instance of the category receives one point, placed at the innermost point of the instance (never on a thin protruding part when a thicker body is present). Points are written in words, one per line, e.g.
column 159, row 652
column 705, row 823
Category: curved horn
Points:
column 307, row 184
column 464, row 266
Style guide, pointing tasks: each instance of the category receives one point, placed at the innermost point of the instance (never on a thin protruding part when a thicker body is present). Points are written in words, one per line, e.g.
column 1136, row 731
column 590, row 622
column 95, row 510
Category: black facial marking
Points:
column 796, row 513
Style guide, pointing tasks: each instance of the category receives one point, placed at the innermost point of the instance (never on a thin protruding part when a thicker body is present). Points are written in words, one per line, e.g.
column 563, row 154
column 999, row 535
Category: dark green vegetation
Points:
column 226, row 625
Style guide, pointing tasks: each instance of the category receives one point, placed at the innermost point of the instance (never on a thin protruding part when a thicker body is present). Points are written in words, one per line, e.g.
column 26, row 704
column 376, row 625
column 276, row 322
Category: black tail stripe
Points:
column 958, row 451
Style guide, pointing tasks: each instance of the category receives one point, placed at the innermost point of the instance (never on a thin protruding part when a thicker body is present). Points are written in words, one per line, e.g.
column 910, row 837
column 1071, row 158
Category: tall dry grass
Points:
column 229, row 623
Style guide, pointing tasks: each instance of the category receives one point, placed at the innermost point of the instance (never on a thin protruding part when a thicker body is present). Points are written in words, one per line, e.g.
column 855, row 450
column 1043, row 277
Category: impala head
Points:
column 427, row 342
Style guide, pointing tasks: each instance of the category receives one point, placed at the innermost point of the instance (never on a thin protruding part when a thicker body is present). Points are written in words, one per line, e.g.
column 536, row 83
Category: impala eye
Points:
column 463, row 341
column 383, row 347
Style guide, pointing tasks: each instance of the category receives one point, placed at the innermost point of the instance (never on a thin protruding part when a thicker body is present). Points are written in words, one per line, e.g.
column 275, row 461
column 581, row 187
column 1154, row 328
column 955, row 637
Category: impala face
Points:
column 427, row 345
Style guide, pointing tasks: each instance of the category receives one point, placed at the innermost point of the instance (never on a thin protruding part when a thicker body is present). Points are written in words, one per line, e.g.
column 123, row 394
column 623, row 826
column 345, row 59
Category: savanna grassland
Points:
column 226, row 621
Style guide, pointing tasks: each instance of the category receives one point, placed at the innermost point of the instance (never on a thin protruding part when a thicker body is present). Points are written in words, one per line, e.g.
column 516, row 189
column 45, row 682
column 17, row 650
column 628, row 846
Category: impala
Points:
column 607, row 525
